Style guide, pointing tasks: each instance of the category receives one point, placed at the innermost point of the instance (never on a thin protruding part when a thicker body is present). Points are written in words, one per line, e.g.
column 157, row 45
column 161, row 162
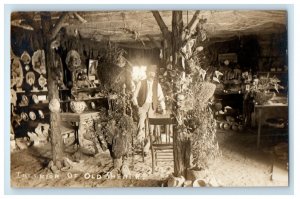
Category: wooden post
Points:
column 177, row 28
column 53, row 94
column 173, row 42
column 182, row 145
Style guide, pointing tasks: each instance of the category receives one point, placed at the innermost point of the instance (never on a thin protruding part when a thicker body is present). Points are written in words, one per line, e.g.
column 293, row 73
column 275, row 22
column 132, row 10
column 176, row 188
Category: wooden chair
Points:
column 161, row 140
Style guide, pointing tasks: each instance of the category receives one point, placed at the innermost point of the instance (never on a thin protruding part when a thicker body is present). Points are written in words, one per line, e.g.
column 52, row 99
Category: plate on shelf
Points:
column 32, row 115
column 24, row 101
column 93, row 105
column 41, row 114
column 35, row 99
column 24, row 116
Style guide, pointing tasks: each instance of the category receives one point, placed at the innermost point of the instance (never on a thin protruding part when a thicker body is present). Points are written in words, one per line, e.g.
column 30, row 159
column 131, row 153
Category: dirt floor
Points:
column 241, row 164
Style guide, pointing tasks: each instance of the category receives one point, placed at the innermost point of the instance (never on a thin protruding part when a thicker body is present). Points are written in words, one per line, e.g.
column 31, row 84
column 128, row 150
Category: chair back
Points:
column 161, row 140
column 162, row 130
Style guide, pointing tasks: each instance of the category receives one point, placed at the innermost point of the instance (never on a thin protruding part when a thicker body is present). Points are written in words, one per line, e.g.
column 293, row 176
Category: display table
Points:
column 260, row 109
column 79, row 119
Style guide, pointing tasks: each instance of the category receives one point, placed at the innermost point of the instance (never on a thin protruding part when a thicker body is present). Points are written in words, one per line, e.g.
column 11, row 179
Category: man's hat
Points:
column 151, row 68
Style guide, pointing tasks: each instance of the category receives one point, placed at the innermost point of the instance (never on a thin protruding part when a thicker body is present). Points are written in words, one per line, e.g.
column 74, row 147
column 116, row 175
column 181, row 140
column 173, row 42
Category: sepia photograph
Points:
column 149, row 98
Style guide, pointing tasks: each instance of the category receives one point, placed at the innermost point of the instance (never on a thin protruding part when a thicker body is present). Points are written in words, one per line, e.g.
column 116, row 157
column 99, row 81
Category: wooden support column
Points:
column 182, row 145
column 167, row 43
column 53, row 93
column 177, row 28
column 173, row 41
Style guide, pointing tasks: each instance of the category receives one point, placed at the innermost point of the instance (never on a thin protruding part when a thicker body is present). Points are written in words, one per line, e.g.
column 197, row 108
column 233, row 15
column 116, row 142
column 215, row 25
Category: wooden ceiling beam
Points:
column 60, row 23
column 155, row 42
column 161, row 24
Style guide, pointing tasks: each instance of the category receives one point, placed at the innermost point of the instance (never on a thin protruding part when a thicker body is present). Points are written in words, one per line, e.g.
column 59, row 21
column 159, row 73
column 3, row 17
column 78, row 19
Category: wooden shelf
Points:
column 272, row 72
column 88, row 99
column 38, row 91
column 229, row 93
column 88, row 89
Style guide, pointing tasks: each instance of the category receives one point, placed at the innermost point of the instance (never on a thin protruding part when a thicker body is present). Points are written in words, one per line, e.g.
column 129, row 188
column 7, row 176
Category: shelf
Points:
column 88, row 89
column 38, row 91
column 229, row 93
column 32, row 92
column 88, row 99
column 272, row 72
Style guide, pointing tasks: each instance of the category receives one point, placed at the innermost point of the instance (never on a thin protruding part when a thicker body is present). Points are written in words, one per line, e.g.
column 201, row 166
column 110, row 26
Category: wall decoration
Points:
column 35, row 99
column 17, row 74
column 24, row 116
column 58, row 71
column 42, row 82
column 38, row 62
column 93, row 105
column 73, row 60
column 30, row 78
column 24, row 101
column 25, row 57
column 93, row 65
column 41, row 114
column 32, row 115
column 13, row 97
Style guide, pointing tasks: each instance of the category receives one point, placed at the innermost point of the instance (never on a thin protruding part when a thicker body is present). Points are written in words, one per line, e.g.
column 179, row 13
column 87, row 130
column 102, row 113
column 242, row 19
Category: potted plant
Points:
column 264, row 88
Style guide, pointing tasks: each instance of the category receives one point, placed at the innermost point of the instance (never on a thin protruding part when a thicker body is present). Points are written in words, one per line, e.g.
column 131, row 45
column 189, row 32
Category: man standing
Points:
column 147, row 96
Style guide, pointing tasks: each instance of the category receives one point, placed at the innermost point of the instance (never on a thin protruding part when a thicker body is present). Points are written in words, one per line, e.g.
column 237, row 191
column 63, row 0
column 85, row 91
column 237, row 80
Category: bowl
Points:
column 77, row 106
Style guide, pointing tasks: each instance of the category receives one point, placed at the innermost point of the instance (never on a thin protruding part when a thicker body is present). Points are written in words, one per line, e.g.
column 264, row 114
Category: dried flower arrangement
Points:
column 263, row 88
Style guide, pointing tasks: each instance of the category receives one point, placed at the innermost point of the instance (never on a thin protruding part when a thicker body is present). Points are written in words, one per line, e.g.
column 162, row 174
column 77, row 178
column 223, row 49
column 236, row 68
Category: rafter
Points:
column 161, row 24
column 60, row 23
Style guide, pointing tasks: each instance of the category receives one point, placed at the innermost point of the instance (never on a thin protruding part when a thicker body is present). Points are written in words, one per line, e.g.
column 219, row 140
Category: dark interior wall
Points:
column 256, row 52
column 25, row 40
column 143, row 56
